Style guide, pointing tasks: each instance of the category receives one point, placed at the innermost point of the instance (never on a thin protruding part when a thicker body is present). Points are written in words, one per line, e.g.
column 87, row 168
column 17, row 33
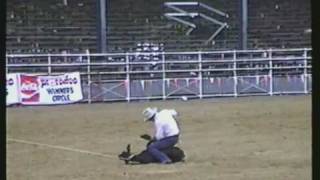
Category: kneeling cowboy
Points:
column 166, row 132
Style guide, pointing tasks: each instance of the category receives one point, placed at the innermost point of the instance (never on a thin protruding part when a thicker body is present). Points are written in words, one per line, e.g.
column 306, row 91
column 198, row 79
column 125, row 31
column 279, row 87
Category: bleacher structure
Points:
column 279, row 24
column 51, row 26
column 147, row 22
column 55, row 26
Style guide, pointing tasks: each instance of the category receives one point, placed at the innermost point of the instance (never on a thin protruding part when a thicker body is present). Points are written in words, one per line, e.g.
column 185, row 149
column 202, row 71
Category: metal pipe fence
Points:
column 167, row 75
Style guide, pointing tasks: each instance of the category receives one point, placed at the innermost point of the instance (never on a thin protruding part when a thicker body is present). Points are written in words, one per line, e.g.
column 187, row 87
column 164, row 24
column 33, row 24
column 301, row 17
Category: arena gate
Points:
column 168, row 75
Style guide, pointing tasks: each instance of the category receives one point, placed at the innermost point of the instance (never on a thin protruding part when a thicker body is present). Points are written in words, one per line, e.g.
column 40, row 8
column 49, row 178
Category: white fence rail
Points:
column 167, row 75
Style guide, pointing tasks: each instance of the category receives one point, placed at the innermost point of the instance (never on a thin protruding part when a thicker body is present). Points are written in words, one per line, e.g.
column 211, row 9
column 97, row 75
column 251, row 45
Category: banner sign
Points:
column 61, row 89
column 12, row 95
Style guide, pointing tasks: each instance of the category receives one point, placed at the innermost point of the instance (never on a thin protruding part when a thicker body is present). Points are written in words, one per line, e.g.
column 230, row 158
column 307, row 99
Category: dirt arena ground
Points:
column 246, row 138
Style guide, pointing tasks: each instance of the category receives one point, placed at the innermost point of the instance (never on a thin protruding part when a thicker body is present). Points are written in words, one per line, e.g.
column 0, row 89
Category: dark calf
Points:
column 175, row 154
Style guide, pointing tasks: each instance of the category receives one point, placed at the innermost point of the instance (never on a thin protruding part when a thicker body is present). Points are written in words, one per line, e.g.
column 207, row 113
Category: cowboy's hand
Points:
column 146, row 137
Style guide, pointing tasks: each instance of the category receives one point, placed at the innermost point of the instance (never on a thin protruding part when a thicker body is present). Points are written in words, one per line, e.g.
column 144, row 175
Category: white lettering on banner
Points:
column 46, row 90
column 29, row 87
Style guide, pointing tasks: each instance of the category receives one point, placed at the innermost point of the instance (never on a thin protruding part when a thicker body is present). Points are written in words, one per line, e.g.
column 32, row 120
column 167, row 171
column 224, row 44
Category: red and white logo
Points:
column 29, row 88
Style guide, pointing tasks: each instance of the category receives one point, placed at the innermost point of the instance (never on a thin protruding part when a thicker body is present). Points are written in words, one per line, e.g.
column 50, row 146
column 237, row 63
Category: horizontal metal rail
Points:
column 165, row 53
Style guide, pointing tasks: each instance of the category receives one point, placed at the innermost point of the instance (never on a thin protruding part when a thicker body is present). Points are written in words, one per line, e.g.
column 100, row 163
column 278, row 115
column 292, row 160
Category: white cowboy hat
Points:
column 148, row 113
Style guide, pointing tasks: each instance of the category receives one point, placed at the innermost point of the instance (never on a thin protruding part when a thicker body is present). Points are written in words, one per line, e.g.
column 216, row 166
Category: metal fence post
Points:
column 270, row 72
column 305, row 71
column 49, row 64
column 235, row 78
column 200, row 74
column 128, row 77
column 89, row 77
column 163, row 77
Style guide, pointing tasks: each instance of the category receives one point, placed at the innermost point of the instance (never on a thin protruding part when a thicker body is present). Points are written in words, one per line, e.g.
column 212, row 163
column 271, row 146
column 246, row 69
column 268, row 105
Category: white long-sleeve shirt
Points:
column 165, row 124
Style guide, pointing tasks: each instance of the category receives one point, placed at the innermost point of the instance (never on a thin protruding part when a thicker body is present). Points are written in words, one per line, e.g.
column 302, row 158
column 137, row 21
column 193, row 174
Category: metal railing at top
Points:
column 135, row 75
